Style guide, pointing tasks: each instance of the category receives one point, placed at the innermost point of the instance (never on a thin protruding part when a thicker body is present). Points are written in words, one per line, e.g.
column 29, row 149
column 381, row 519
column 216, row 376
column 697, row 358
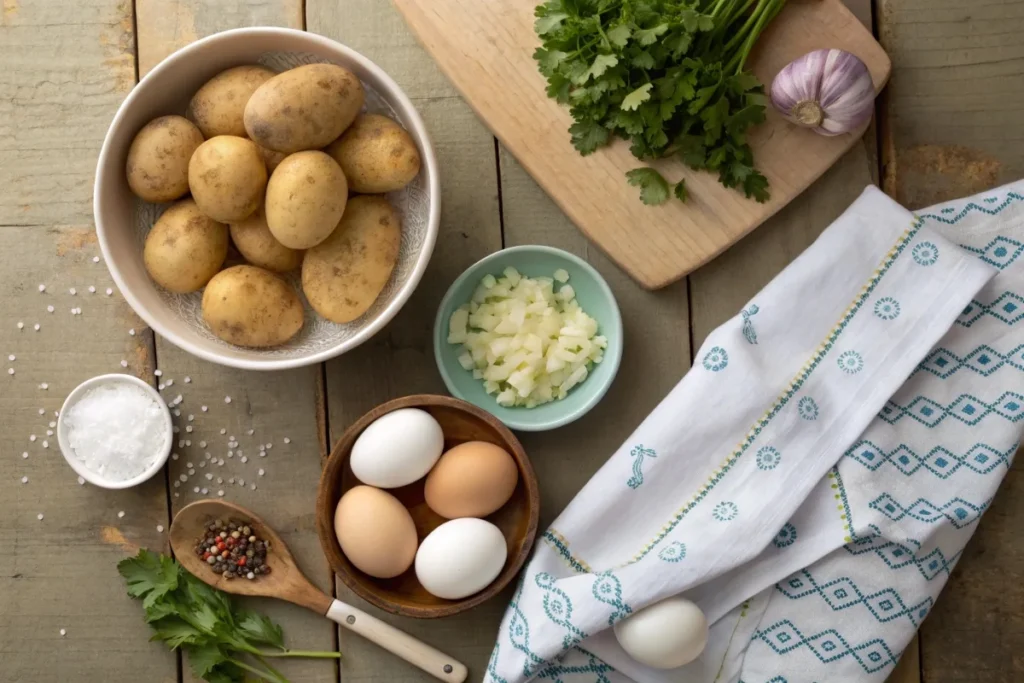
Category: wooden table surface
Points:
column 949, row 125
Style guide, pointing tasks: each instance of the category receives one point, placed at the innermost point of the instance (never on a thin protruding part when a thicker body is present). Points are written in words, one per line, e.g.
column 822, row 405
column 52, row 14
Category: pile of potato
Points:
column 270, row 159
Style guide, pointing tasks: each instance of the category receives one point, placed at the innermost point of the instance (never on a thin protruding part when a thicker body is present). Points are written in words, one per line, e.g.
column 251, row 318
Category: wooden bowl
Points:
column 403, row 595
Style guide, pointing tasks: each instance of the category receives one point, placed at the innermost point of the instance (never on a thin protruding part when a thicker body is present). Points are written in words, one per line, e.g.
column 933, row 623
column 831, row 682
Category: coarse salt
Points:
column 40, row 516
column 36, row 327
column 287, row 440
column 159, row 528
column 72, row 291
column 24, row 480
column 188, row 379
column 223, row 431
column 81, row 481
column 21, row 325
column 120, row 514
column 261, row 472
column 10, row 371
column 249, row 432
column 109, row 291
column 227, row 399
column 24, row 455
column 124, row 363
column 245, row 459
column 62, row 631
column 42, row 288
column 11, row 357
column 188, row 428
column 195, row 489
column 92, row 290
column 221, row 493
column 49, row 309
column 95, row 259
column 117, row 430
column 158, row 372
column 44, row 386
column 131, row 332
column 31, row 437
column 204, row 408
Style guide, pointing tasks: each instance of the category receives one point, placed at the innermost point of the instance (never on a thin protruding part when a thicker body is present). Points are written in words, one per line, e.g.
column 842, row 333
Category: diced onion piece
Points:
column 528, row 343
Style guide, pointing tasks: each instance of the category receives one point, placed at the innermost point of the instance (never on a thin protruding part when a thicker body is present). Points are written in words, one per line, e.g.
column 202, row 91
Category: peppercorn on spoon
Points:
column 287, row 582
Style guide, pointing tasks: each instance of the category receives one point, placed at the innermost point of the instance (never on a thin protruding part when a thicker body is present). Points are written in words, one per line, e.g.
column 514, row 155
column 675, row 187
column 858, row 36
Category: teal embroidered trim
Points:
column 1010, row 199
column 1000, row 252
column 842, row 593
column 673, row 552
column 786, row 537
column 749, row 333
column 942, row 462
column 555, row 540
column 638, row 454
column 1008, row 308
column 894, row 253
column 844, row 504
column 519, row 633
column 900, row 555
column 983, row 360
column 608, row 589
column 966, row 408
column 958, row 512
column 594, row 666
column 828, row 646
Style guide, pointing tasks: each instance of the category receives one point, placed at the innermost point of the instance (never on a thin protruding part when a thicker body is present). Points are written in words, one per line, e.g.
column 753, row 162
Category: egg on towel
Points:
column 397, row 448
column 665, row 635
column 375, row 531
column 460, row 558
column 472, row 479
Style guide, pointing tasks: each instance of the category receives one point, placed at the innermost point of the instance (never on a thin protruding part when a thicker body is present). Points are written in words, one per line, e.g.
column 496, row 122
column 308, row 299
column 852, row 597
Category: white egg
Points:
column 397, row 449
column 460, row 557
column 665, row 635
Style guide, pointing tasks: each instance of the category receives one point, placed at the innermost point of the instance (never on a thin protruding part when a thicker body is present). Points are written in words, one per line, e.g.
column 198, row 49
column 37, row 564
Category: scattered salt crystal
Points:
column 36, row 327
column 160, row 387
column 24, row 455
column 49, row 309
column 245, row 459
column 269, row 446
column 72, row 291
column 220, row 462
column 120, row 514
column 81, row 481
column 44, row 386
column 42, row 288
column 46, row 444
column 221, row 493
column 159, row 528
column 195, row 489
column 202, row 463
column 177, row 484
column 52, row 423
column 158, row 372
column 183, row 477
column 208, row 475
column 261, row 472
column 49, row 432
column 175, row 494
column 24, row 480
column 191, row 417
column 220, row 480
column 95, row 259
column 109, row 291
column 40, row 516
column 231, row 454
column 188, row 429
column 181, row 443
column 231, row 480
column 204, row 491
column 223, row 431
column 227, row 399
column 188, row 442
column 131, row 332
column 177, row 413
column 177, row 399
column 31, row 437
column 170, row 382
column 62, row 631
column 204, row 408
column 202, row 444
column 263, row 454
column 188, row 465
column 10, row 371
column 188, row 380
column 241, row 482
column 124, row 363
column 252, row 486
column 42, row 411
column 287, row 440
column 92, row 290
column 21, row 325
column 249, row 432
column 11, row 357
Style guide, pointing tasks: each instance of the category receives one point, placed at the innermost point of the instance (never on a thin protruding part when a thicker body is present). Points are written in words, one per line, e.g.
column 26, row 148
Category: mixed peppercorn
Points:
column 233, row 550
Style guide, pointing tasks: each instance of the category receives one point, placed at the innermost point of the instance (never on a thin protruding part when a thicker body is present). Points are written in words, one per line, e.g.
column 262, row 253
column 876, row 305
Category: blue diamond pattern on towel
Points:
column 900, row 555
column 983, row 360
column 842, row 593
column 1000, row 252
column 1008, row 308
column 828, row 646
column 966, row 408
column 957, row 511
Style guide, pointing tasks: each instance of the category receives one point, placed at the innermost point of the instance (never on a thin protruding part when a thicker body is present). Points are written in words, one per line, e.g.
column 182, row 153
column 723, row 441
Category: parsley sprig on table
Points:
column 218, row 637
column 667, row 75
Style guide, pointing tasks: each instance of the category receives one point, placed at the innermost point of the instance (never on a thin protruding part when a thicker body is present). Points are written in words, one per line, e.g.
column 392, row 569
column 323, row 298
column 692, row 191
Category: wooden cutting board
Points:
column 485, row 47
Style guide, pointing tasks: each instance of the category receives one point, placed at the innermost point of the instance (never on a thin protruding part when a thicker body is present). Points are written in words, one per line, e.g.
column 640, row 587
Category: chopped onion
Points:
column 529, row 343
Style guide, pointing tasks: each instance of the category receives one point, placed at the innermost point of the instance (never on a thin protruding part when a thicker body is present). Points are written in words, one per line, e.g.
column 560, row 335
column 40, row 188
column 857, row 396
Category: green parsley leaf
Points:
column 649, row 36
column 204, row 658
column 260, row 629
column 549, row 59
column 653, row 187
column 692, row 151
column 588, row 136
column 619, row 36
column 549, row 22
column 679, row 190
column 601, row 64
column 177, row 632
column 755, row 186
column 634, row 99
column 149, row 576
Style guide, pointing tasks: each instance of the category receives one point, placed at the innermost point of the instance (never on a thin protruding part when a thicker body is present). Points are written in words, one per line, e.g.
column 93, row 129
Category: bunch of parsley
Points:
column 667, row 75
column 219, row 638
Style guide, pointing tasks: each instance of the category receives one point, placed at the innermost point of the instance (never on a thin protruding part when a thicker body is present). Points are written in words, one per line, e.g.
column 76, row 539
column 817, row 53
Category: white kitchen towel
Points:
column 730, row 493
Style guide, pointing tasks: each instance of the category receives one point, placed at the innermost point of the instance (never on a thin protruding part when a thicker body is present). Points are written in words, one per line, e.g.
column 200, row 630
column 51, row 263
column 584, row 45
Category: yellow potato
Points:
column 256, row 243
column 157, row 166
column 306, row 197
column 343, row 275
column 185, row 248
column 272, row 158
column 303, row 108
column 249, row 306
column 227, row 176
column 217, row 107
column 376, row 154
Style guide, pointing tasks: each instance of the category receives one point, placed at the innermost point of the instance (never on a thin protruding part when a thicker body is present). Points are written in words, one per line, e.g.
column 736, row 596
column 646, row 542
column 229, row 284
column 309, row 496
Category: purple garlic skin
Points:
column 829, row 91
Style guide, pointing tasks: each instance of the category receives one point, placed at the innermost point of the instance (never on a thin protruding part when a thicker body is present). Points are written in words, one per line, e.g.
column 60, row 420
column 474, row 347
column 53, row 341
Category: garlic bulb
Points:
column 829, row 91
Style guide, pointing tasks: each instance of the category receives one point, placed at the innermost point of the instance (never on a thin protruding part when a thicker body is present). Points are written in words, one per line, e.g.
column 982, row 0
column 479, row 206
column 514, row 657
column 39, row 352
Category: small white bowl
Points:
column 68, row 452
column 122, row 221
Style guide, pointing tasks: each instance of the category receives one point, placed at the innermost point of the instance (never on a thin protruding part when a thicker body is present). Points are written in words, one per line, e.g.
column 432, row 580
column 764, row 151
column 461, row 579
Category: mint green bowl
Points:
column 593, row 295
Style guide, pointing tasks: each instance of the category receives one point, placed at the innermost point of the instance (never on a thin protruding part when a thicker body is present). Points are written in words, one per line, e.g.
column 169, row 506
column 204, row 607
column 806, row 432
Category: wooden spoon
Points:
column 287, row 582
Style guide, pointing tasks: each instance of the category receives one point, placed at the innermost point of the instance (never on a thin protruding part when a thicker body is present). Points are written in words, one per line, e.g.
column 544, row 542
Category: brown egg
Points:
column 471, row 480
column 375, row 532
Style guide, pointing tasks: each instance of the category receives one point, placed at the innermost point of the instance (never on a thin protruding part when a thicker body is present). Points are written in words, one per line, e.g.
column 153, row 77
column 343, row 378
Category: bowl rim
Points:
column 413, row 120
column 65, row 447
column 332, row 469
column 611, row 327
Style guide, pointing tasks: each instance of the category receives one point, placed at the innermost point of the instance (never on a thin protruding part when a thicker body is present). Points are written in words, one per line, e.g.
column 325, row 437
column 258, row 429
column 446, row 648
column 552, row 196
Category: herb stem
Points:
column 273, row 677
column 269, row 668
column 306, row 654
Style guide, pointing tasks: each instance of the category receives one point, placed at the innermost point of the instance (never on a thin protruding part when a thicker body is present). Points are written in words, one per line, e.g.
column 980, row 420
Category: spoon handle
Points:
column 397, row 642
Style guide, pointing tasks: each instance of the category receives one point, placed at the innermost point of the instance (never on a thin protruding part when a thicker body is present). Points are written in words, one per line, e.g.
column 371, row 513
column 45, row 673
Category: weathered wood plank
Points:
column 55, row 105
column 265, row 408
column 950, row 128
column 399, row 361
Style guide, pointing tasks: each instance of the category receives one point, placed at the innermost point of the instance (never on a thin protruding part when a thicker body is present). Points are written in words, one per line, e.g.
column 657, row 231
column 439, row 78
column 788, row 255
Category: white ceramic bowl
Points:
column 122, row 220
column 76, row 464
